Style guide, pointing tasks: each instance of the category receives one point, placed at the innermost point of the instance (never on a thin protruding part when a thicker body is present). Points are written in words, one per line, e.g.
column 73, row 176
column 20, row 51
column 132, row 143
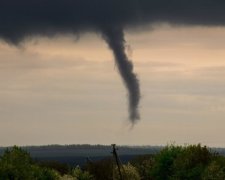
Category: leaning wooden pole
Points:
column 117, row 160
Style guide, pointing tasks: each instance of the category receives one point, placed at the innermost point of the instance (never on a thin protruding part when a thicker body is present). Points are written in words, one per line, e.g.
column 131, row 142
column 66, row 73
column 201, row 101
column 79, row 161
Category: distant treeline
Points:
column 78, row 154
column 86, row 148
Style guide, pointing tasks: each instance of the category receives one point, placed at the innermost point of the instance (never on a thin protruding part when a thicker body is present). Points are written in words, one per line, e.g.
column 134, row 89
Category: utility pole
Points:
column 118, row 163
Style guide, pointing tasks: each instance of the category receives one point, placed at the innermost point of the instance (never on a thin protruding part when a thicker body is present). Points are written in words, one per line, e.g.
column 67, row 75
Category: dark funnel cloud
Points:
column 23, row 19
column 114, row 36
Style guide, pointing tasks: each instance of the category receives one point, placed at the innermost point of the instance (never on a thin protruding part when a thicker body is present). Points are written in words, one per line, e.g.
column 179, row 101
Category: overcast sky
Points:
column 66, row 90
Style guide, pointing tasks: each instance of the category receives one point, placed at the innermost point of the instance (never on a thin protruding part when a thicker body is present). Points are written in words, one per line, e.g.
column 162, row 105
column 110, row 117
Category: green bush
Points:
column 191, row 162
column 17, row 164
column 164, row 161
column 78, row 174
column 128, row 172
column 102, row 169
column 215, row 170
column 144, row 165
column 181, row 163
column 62, row 168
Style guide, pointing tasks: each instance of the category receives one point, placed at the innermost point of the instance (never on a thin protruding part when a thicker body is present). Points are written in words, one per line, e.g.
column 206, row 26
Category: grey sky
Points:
column 66, row 91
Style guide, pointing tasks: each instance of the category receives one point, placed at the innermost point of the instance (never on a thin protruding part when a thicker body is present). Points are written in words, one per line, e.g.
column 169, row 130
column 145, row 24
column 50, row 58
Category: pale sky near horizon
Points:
column 67, row 90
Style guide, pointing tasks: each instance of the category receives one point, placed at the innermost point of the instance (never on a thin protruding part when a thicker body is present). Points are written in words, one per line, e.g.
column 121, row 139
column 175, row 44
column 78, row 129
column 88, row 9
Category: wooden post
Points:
column 117, row 160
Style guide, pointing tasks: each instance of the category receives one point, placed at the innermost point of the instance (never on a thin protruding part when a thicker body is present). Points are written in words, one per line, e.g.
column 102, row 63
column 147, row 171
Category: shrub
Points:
column 164, row 162
column 191, row 162
column 81, row 175
column 176, row 162
column 102, row 169
column 16, row 163
column 144, row 165
column 215, row 170
column 59, row 167
column 128, row 172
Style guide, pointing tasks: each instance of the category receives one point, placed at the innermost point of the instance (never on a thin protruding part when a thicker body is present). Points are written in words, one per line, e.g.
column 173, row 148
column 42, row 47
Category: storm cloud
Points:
column 23, row 19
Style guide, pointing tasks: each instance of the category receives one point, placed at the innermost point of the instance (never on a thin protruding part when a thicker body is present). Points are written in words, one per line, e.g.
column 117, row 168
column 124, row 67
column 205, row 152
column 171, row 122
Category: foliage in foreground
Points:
column 128, row 172
column 17, row 164
column 192, row 162
column 81, row 175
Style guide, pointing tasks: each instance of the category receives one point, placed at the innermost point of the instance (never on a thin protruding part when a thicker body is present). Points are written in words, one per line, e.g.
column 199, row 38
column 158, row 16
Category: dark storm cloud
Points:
column 21, row 19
